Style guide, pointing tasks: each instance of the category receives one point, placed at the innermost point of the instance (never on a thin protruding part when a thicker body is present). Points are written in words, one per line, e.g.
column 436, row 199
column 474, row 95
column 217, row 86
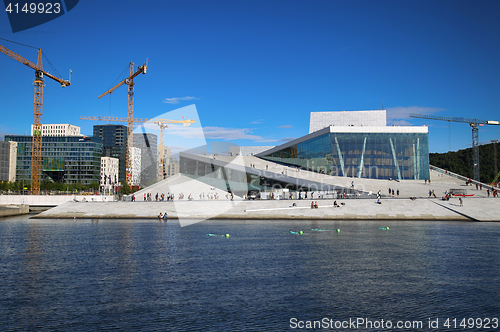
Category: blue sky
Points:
column 256, row 69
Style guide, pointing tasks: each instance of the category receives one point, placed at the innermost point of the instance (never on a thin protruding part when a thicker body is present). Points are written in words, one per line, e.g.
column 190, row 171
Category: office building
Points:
column 114, row 144
column 68, row 159
column 109, row 173
column 147, row 142
column 8, row 161
column 135, row 156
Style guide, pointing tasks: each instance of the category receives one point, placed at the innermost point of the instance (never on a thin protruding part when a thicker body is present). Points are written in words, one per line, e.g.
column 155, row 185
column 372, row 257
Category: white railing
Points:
column 460, row 177
column 50, row 200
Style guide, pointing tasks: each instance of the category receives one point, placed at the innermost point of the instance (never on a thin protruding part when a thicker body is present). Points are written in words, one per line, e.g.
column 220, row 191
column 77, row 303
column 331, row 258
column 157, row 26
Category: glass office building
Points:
column 114, row 144
column 70, row 159
column 380, row 152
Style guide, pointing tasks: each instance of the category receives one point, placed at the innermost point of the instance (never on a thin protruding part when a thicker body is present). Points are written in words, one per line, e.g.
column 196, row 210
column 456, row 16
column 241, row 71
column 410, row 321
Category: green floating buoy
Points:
column 325, row 230
column 297, row 233
column 387, row 228
column 338, row 230
column 227, row 235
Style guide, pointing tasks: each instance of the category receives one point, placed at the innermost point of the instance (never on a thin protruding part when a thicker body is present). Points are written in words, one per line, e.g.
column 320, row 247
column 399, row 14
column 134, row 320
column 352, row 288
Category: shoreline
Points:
column 474, row 209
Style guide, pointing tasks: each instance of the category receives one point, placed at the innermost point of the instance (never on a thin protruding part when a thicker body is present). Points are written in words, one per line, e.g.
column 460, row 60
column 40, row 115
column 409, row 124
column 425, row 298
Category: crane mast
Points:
column 130, row 114
column 130, row 124
column 474, row 123
column 36, row 155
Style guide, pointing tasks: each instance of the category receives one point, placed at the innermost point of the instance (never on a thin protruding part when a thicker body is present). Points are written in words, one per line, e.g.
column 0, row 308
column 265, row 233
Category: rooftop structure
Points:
column 320, row 120
column 59, row 129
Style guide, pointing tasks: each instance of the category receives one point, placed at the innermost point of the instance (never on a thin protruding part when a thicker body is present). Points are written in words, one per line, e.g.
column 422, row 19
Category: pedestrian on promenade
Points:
column 392, row 193
column 488, row 191
column 460, row 200
column 397, row 192
column 389, row 191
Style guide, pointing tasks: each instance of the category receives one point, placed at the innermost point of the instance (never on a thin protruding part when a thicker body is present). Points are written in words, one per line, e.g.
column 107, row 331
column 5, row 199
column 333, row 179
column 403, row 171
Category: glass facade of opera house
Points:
column 377, row 155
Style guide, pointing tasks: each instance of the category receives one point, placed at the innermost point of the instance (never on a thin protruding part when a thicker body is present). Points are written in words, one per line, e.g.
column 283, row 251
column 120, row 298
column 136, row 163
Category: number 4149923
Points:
column 32, row 8
column 485, row 323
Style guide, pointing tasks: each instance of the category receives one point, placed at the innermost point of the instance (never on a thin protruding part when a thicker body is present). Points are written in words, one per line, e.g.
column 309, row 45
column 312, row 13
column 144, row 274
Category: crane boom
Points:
column 450, row 119
column 24, row 61
column 142, row 70
column 138, row 120
column 19, row 58
column 36, row 156
column 474, row 123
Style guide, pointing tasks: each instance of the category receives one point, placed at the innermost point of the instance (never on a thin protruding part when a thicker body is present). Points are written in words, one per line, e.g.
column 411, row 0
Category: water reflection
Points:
column 144, row 275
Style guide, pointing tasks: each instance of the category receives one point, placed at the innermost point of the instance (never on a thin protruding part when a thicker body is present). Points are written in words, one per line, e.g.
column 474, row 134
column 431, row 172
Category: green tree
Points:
column 125, row 189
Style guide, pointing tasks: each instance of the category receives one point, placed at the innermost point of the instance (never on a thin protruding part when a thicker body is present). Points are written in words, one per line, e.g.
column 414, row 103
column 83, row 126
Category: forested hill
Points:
column 461, row 162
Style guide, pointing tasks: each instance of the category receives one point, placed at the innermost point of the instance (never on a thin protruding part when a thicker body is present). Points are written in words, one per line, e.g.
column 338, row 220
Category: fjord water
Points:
column 146, row 275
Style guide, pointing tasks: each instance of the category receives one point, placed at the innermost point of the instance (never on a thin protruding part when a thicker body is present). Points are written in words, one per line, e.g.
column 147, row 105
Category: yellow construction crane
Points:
column 162, row 123
column 130, row 114
column 36, row 157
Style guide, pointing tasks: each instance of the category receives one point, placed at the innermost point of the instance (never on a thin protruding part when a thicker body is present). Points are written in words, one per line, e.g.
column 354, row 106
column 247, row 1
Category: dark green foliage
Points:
column 460, row 162
column 125, row 189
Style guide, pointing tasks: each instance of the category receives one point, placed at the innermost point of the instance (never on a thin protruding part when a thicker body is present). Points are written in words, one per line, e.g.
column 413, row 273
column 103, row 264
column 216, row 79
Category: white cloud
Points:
column 286, row 126
column 177, row 100
column 403, row 112
column 257, row 121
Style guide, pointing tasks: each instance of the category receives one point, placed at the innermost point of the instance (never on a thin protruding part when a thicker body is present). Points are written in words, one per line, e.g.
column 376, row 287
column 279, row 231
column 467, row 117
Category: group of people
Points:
column 314, row 205
column 170, row 197
column 494, row 192
column 163, row 215
column 391, row 192
column 210, row 196
column 158, row 198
